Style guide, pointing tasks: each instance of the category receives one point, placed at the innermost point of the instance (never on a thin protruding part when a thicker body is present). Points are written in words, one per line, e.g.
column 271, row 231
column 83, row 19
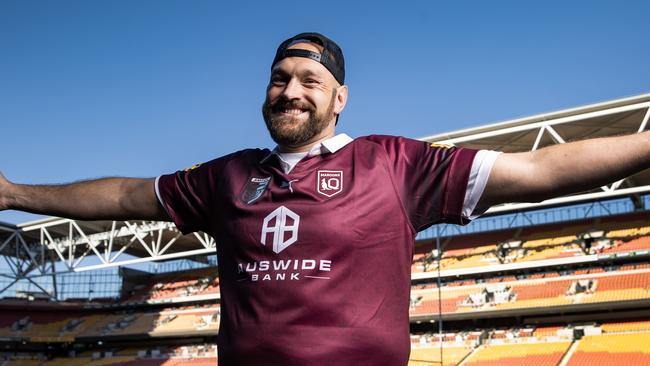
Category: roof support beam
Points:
column 536, row 125
column 644, row 123
column 82, row 249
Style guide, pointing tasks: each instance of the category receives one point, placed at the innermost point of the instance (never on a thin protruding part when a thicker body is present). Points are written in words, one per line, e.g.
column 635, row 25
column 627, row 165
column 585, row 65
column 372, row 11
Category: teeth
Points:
column 293, row 111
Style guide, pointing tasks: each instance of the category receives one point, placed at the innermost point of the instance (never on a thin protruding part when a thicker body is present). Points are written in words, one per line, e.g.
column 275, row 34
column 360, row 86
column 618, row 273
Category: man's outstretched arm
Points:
column 100, row 199
column 563, row 169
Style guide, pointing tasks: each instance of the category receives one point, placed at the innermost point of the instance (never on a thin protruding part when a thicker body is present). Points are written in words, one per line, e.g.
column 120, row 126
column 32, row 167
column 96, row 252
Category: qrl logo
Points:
column 330, row 182
column 282, row 225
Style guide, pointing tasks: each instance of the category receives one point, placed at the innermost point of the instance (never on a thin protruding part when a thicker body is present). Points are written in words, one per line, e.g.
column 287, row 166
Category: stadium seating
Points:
column 105, row 325
column 642, row 243
column 538, row 354
column 536, row 245
column 41, row 326
column 535, row 292
column 169, row 286
column 197, row 354
column 623, row 349
column 628, row 233
column 22, row 362
column 122, row 361
column 425, row 356
column 615, row 327
column 543, row 332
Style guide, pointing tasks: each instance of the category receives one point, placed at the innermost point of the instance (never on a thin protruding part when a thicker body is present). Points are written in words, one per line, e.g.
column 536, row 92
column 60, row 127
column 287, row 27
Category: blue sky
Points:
column 138, row 88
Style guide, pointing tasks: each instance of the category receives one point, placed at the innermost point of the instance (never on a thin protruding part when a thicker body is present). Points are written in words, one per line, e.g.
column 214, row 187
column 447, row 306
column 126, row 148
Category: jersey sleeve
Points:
column 431, row 180
column 187, row 195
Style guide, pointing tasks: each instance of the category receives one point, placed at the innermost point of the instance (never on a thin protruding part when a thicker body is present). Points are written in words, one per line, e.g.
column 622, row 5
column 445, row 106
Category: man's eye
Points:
column 278, row 81
column 311, row 82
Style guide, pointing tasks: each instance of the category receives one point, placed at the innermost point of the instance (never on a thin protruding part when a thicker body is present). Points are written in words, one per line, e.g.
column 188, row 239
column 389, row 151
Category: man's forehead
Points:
column 313, row 65
column 306, row 45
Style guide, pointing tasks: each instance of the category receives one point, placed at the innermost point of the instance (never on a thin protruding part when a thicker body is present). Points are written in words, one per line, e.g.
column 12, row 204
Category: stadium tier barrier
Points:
column 574, row 289
column 549, row 247
column 59, row 326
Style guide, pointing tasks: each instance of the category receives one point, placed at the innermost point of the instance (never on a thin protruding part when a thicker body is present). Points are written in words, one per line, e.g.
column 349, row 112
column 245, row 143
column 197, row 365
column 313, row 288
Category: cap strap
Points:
column 297, row 52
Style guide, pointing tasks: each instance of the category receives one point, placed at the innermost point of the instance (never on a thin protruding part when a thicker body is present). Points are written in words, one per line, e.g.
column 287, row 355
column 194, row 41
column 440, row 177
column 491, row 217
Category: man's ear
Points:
column 341, row 98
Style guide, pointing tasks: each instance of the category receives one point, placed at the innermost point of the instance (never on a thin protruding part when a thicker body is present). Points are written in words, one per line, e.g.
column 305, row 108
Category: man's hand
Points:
column 564, row 169
column 5, row 187
column 100, row 199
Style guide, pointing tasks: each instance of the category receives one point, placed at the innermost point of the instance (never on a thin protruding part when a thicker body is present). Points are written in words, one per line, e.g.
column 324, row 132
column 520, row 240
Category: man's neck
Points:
column 306, row 147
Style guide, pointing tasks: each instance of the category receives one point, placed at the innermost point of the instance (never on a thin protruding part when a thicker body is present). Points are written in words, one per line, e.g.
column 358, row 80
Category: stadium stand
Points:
column 534, row 244
column 533, row 291
column 185, row 286
column 542, row 311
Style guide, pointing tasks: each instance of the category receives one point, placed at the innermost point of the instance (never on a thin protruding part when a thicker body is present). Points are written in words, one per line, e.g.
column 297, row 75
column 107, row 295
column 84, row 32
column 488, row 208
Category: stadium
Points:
column 561, row 282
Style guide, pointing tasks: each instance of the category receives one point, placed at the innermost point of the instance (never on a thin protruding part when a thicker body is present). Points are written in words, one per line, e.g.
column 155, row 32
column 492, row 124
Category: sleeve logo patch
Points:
column 193, row 167
column 440, row 146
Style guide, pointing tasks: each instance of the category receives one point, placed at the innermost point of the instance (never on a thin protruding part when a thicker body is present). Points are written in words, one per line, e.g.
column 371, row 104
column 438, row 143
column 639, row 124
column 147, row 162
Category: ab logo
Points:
column 282, row 225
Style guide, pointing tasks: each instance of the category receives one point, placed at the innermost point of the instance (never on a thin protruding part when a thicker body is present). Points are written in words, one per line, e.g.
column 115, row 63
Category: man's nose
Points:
column 292, row 89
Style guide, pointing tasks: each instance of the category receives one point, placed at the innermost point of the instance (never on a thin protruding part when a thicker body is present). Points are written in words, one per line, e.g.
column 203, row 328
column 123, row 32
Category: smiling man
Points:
column 307, row 276
column 315, row 237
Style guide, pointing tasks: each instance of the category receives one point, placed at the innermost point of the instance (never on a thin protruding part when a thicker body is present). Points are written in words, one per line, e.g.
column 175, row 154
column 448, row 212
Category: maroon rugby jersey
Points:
column 314, row 265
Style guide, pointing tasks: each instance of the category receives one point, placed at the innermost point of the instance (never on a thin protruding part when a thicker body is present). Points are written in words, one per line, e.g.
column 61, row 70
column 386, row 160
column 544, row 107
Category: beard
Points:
column 288, row 130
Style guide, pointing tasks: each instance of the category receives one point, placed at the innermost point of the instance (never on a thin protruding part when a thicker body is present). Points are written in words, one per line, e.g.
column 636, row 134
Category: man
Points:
column 315, row 238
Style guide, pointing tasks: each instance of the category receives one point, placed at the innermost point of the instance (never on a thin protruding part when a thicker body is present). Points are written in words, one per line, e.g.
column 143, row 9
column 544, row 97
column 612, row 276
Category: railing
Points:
column 93, row 284
column 538, row 217
column 105, row 283
column 182, row 265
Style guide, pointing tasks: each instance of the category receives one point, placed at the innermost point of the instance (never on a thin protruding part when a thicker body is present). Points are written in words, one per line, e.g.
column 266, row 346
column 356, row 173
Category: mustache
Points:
column 284, row 103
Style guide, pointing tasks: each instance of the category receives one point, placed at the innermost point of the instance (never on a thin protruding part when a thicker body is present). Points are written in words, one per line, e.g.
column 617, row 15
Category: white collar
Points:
column 331, row 145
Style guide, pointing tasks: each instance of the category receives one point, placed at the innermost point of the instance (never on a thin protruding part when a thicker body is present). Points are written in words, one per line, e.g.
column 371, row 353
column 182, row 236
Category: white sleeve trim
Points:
column 158, row 194
column 478, row 177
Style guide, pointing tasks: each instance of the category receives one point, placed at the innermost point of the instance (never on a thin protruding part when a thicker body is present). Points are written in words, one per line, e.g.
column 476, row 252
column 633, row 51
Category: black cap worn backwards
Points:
column 331, row 57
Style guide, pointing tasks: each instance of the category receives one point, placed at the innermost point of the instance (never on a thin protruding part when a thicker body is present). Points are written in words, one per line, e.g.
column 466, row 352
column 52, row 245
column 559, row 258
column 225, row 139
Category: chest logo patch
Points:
column 329, row 182
column 282, row 226
column 254, row 189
